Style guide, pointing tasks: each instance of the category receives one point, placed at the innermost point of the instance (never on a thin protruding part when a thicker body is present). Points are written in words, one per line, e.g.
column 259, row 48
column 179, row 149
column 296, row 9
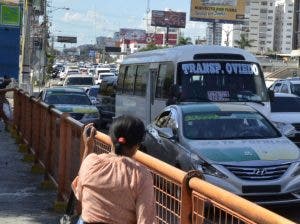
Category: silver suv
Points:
column 289, row 85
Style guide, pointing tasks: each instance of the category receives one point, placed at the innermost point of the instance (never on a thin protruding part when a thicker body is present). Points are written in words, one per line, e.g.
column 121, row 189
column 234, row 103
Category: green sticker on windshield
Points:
column 201, row 117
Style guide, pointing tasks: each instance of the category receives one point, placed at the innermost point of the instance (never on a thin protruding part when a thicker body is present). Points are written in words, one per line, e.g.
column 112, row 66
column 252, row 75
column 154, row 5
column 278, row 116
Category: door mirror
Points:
column 271, row 95
column 166, row 133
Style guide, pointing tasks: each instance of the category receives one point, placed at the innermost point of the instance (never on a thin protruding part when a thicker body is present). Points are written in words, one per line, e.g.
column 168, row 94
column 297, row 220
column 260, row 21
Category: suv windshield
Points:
column 227, row 125
column 67, row 98
column 221, row 81
column 285, row 104
column 80, row 81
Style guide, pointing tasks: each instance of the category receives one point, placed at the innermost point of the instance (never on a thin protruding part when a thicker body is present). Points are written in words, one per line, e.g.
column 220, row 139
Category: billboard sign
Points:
column 227, row 11
column 10, row 15
column 132, row 34
column 65, row 39
column 168, row 19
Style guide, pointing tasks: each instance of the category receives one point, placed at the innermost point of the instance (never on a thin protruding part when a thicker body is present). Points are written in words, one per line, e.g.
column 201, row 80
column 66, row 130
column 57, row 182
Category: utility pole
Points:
column 24, row 79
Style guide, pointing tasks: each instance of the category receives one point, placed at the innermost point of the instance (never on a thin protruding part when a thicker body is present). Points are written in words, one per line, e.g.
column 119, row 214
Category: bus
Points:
column 148, row 81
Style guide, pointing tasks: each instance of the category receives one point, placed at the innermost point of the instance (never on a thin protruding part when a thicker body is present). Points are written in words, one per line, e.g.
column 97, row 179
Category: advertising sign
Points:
column 10, row 15
column 168, row 19
column 132, row 34
column 65, row 39
column 228, row 11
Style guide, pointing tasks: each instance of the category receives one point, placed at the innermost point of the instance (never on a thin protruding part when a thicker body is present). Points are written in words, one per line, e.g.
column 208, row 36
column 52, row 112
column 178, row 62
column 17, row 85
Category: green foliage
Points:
column 151, row 47
column 244, row 42
column 185, row 41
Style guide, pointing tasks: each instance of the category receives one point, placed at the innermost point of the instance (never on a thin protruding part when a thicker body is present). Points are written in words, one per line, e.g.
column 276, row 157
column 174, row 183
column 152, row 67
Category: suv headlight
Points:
column 205, row 167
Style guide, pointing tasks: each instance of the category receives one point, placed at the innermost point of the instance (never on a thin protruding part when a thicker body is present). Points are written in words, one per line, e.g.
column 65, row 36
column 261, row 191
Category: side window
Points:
column 164, row 81
column 277, row 87
column 129, row 79
column 284, row 88
column 141, row 80
column 163, row 119
column 172, row 122
column 121, row 79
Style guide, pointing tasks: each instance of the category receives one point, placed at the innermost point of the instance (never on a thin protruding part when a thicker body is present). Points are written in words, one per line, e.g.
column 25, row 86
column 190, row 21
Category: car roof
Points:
column 107, row 73
column 215, row 107
column 65, row 89
column 79, row 76
column 284, row 95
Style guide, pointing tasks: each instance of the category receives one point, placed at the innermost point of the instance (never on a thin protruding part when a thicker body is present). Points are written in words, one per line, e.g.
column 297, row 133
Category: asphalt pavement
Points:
column 22, row 199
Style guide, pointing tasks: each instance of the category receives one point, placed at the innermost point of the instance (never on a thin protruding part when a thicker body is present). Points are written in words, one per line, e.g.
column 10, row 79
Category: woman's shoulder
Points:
column 136, row 165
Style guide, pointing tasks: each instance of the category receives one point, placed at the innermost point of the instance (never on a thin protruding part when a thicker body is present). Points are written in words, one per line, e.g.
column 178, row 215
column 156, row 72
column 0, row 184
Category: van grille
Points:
column 260, row 172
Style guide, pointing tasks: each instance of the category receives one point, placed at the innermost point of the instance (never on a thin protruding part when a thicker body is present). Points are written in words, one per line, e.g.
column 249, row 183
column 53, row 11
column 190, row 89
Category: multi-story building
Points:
column 296, row 31
column 210, row 34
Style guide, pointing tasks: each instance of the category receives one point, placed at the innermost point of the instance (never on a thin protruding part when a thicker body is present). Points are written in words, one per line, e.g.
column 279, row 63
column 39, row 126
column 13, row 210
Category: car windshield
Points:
column 295, row 88
column 80, row 81
column 227, row 125
column 221, row 81
column 67, row 98
column 285, row 104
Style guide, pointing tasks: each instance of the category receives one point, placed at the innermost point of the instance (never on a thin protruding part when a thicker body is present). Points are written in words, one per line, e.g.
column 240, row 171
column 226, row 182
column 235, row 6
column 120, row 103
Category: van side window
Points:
column 129, row 79
column 141, row 80
column 121, row 79
column 165, row 79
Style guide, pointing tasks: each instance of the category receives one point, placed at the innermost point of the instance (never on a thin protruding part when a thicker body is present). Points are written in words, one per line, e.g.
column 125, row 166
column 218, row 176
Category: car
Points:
column 285, row 110
column 82, row 81
column 74, row 101
column 234, row 146
column 289, row 85
column 69, row 70
column 104, row 74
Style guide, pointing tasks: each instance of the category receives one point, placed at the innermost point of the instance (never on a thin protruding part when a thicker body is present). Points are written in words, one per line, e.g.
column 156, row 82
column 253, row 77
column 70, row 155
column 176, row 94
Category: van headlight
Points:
column 205, row 167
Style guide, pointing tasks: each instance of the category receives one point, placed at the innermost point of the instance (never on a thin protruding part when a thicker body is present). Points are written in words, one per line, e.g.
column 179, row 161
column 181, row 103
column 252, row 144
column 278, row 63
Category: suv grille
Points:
column 76, row 116
column 259, row 173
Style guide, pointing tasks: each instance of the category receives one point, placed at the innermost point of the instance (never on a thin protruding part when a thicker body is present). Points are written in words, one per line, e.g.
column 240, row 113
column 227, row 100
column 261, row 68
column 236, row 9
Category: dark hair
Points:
column 126, row 131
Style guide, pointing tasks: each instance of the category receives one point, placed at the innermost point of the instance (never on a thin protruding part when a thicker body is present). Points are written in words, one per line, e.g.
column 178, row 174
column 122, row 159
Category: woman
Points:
column 113, row 188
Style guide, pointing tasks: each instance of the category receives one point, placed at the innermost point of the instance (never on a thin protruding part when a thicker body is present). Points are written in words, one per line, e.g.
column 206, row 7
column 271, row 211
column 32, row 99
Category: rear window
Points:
column 67, row 98
column 285, row 104
column 80, row 81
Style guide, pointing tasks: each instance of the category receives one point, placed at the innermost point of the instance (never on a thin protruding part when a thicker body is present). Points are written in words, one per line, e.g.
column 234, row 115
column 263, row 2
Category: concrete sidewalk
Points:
column 22, row 200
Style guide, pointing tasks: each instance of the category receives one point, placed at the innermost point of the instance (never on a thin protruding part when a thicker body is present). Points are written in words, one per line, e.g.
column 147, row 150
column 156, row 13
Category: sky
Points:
column 87, row 19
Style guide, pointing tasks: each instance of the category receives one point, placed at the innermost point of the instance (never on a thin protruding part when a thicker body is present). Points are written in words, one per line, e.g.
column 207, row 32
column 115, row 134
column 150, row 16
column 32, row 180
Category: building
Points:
column 103, row 42
column 210, row 34
column 296, row 31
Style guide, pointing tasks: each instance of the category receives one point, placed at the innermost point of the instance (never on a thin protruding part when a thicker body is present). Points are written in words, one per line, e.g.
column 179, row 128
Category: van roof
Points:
column 184, row 53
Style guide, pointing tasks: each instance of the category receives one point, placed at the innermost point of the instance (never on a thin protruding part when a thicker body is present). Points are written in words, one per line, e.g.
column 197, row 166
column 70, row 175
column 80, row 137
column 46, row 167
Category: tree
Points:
column 184, row 41
column 150, row 47
column 244, row 42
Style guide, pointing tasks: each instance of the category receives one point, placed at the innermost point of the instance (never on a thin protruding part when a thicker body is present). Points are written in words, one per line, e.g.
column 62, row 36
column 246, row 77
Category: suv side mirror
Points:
column 271, row 95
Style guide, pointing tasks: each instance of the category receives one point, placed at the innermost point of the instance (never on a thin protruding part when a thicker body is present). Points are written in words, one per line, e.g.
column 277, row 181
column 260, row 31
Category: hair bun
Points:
column 122, row 140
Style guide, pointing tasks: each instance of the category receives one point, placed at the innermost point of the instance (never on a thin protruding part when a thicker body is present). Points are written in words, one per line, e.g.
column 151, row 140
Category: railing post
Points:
column 186, row 211
column 62, row 157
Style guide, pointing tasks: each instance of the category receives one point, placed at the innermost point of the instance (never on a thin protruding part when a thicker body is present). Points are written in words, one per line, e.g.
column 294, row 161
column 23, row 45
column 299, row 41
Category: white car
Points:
column 289, row 85
column 71, row 70
column 285, row 110
column 104, row 74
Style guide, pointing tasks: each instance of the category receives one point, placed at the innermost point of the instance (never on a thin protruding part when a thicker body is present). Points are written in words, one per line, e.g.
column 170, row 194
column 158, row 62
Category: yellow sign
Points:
column 230, row 11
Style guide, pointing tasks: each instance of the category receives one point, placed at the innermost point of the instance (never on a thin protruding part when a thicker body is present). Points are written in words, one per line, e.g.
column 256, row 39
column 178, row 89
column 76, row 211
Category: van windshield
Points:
column 221, row 81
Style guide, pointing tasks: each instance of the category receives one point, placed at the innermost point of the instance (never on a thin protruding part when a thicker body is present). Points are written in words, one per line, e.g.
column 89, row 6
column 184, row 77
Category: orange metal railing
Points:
column 181, row 197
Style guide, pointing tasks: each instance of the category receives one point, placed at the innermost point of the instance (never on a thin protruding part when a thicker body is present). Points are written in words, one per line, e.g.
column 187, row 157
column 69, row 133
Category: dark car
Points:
column 74, row 101
column 233, row 145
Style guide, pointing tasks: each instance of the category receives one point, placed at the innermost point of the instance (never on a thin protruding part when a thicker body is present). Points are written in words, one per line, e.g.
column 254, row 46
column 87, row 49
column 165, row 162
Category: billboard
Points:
column 227, row 11
column 65, row 39
column 132, row 34
column 10, row 15
column 168, row 19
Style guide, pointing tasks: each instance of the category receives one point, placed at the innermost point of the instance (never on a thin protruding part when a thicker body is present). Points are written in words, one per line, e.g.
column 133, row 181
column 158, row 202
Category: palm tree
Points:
column 244, row 42
column 184, row 41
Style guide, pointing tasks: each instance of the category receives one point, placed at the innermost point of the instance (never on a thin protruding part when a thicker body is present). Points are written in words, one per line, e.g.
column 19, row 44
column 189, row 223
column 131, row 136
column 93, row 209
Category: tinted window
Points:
column 67, row 98
column 227, row 125
column 108, row 88
column 164, row 80
column 121, row 79
column 285, row 104
column 80, row 81
column 141, row 80
column 221, row 81
column 129, row 79
column 295, row 89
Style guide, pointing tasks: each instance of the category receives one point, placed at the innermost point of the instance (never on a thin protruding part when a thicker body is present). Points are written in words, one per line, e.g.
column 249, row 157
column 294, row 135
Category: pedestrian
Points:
column 113, row 187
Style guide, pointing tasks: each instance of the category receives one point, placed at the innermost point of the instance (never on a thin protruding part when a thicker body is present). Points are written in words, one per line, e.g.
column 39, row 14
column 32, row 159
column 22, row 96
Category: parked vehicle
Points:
column 289, row 85
column 285, row 110
column 233, row 145
column 74, row 101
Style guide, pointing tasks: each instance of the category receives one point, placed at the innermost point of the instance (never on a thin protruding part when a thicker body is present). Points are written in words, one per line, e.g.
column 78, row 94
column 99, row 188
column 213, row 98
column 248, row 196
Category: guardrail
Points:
column 55, row 140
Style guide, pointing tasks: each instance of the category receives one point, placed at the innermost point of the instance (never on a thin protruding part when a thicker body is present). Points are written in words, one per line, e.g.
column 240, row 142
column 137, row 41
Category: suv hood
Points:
column 71, row 108
column 228, row 151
